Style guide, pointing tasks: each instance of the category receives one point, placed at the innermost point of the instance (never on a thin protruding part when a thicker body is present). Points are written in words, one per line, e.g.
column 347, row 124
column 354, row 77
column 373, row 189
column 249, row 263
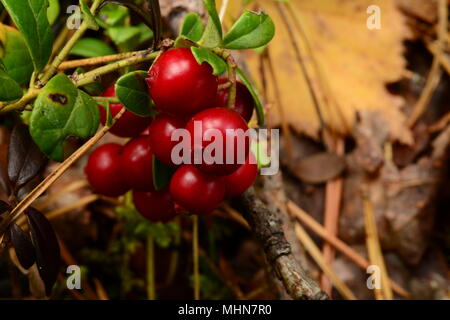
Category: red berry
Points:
column 160, row 132
column 156, row 206
column 240, row 180
column 129, row 125
column 137, row 164
column 244, row 101
column 227, row 126
column 195, row 191
column 179, row 85
column 103, row 170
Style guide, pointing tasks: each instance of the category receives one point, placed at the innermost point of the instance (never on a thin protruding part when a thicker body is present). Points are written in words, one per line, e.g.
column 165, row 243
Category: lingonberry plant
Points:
column 190, row 79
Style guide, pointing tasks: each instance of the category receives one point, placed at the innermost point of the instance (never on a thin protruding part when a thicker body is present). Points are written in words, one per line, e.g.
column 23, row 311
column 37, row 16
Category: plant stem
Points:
column 72, row 64
column 232, row 77
column 150, row 268
column 92, row 76
column 106, row 99
column 195, row 257
column 66, row 49
column 27, row 97
column 50, row 179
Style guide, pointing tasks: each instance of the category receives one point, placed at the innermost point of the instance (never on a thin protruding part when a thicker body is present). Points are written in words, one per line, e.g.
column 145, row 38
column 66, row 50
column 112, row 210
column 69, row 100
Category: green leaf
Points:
column 259, row 107
column 53, row 11
column 30, row 17
column 126, row 38
column 252, row 30
column 88, row 16
column 212, row 37
column 183, row 42
column 205, row 55
column 16, row 57
column 161, row 174
column 192, row 27
column 9, row 89
column 132, row 91
column 61, row 111
column 91, row 47
column 145, row 33
column 111, row 15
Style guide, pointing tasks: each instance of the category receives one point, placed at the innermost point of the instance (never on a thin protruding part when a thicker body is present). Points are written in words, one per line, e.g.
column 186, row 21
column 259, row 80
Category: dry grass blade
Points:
column 315, row 253
column 318, row 229
column 56, row 195
column 434, row 76
column 374, row 251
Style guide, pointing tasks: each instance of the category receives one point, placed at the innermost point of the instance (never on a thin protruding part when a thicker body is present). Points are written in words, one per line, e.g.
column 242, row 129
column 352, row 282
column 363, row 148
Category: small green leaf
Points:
column 259, row 107
column 161, row 174
column 126, row 38
column 132, row 91
column 145, row 33
column 16, row 57
column 88, row 16
column 252, row 30
column 192, row 27
column 9, row 88
column 111, row 15
column 61, row 111
column 205, row 55
column 212, row 37
column 53, row 11
column 30, row 17
column 183, row 42
column 91, row 47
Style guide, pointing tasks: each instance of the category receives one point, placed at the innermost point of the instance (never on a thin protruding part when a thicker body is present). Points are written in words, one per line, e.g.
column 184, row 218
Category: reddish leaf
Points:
column 23, row 246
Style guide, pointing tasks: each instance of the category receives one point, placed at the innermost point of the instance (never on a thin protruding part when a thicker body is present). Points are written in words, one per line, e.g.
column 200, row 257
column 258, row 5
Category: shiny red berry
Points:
column 240, row 180
column 244, row 101
column 179, row 85
column 160, row 133
column 213, row 126
column 137, row 164
column 156, row 206
column 195, row 191
column 103, row 170
column 129, row 125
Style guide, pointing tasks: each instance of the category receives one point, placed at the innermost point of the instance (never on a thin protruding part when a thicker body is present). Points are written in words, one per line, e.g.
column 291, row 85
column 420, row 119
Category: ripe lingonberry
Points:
column 195, row 191
column 136, row 162
column 156, row 206
column 244, row 101
column 103, row 170
column 129, row 125
column 160, row 132
column 179, row 85
column 224, row 125
column 240, row 180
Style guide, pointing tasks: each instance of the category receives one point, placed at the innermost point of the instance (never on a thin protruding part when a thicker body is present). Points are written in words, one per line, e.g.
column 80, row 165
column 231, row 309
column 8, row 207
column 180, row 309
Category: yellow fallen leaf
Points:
column 354, row 63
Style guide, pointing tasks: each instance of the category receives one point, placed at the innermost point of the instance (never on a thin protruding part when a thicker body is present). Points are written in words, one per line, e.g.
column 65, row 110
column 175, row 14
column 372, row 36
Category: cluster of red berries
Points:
column 184, row 92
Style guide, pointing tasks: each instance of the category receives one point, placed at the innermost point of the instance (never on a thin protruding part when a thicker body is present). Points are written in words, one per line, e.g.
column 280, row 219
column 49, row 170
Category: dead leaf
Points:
column 319, row 168
column 355, row 64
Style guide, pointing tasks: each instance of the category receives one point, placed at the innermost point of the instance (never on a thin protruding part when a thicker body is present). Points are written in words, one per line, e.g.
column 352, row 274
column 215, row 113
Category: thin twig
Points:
column 315, row 253
column 434, row 76
column 351, row 254
column 72, row 64
column 196, row 267
column 151, row 268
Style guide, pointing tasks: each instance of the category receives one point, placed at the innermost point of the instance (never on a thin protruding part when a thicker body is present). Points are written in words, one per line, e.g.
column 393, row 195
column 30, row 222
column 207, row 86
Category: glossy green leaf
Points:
column 161, row 174
column 30, row 17
column 91, row 47
column 9, row 88
column 252, row 30
column 212, row 11
column 145, row 33
column 192, row 27
column 126, row 38
column 62, row 111
column 132, row 91
column 15, row 54
column 53, row 11
column 205, row 55
column 258, row 104
column 88, row 16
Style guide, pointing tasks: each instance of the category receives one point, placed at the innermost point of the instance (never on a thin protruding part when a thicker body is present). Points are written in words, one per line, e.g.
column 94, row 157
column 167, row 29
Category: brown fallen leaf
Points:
column 355, row 63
